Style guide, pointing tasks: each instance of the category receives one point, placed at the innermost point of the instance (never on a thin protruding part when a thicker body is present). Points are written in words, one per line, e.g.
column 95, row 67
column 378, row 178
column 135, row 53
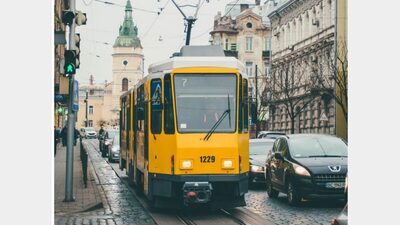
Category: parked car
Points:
column 258, row 151
column 270, row 134
column 88, row 132
column 307, row 166
column 109, row 137
column 113, row 149
column 342, row 218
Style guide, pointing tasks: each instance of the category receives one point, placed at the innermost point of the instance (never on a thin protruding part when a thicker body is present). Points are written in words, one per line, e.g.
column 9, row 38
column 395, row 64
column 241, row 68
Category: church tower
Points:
column 127, row 57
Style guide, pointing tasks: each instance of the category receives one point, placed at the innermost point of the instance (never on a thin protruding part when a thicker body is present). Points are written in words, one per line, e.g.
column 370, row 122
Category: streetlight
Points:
column 86, row 108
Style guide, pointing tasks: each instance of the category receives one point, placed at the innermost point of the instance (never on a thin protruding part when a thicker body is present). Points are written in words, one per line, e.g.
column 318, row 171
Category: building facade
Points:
column 127, row 70
column 59, row 48
column 243, row 33
column 303, row 57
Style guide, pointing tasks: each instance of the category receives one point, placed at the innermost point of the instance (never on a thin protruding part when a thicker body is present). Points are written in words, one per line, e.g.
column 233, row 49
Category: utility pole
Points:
column 86, row 109
column 71, row 120
column 257, row 125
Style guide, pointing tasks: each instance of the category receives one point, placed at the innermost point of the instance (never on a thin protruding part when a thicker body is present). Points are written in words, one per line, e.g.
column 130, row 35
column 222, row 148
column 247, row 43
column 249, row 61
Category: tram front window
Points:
column 202, row 99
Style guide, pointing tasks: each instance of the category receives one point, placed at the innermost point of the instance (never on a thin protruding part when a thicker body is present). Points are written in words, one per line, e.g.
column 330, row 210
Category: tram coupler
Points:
column 196, row 192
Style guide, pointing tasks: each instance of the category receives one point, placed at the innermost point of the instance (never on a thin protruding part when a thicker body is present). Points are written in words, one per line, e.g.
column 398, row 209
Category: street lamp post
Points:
column 86, row 109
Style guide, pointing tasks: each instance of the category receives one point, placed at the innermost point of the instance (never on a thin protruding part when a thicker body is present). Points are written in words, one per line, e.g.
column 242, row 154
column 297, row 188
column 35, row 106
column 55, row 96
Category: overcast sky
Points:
column 104, row 21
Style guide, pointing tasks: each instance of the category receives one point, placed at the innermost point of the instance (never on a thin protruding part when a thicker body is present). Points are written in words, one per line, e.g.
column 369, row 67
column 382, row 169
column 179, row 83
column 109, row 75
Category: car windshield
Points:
column 325, row 146
column 260, row 148
column 203, row 99
column 89, row 129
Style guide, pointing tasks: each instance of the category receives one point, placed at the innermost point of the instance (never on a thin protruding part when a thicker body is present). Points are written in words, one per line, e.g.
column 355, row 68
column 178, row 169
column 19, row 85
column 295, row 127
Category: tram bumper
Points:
column 196, row 192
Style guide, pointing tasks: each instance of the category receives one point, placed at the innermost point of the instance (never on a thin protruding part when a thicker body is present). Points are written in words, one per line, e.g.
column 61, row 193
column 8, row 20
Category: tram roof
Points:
column 201, row 61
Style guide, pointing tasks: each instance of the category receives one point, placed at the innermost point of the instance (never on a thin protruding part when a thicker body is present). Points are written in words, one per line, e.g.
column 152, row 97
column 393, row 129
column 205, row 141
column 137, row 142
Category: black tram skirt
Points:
column 206, row 188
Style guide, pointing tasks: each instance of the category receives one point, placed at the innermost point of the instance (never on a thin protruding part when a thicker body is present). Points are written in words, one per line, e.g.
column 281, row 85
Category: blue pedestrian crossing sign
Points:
column 156, row 95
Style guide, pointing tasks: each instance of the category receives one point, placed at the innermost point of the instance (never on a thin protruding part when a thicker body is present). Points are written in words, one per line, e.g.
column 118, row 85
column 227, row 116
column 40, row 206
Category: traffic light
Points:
column 80, row 18
column 77, row 49
column 67, row 17
column 70, row 62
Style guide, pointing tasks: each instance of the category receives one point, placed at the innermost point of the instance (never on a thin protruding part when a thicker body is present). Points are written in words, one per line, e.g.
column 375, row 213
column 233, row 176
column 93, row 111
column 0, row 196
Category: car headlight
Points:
column 255, row 168
column 186, row 164
column 227, row 164
column 299, row 170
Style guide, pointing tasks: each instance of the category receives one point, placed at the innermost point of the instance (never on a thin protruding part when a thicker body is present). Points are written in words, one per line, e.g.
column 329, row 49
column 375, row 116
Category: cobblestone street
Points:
column 279, row 212
column 120, row 206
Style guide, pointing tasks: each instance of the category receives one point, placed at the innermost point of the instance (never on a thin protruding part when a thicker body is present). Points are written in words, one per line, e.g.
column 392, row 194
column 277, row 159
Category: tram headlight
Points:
column 227, row 164
column 186, row 164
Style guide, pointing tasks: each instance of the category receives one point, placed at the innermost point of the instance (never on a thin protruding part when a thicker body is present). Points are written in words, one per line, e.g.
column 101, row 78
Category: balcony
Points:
column 231, row 53
column 266, row 54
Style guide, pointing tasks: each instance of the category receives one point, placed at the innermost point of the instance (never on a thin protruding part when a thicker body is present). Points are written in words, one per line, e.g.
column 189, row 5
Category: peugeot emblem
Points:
column 334, row 169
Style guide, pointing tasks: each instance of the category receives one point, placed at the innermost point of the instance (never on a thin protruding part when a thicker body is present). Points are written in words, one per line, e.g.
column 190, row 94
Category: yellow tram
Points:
column 184, row 131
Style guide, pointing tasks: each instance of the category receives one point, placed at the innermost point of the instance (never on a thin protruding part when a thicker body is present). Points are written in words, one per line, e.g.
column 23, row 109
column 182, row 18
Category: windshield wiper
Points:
column 312, row 156
column 214, row 127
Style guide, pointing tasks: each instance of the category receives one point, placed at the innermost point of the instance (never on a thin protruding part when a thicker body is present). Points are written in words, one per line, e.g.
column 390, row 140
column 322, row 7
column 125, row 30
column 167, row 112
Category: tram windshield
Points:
column 202, row 99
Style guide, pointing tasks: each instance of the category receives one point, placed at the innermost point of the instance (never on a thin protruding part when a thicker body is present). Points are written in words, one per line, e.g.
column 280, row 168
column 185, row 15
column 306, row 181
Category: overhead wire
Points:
column 155, row 20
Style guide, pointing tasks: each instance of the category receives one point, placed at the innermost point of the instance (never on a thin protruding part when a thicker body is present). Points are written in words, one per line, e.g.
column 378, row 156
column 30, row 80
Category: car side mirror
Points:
column 278, row 156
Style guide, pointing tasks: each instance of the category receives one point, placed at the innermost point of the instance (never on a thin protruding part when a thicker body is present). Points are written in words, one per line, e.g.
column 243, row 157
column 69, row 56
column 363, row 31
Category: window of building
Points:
column 249, row 25
column 249, row 68
column 124, row 84
column 249, row 43
column 233, row 46
column 267, row 44
column 90, row 124
column 91, row 109
column 267, row 69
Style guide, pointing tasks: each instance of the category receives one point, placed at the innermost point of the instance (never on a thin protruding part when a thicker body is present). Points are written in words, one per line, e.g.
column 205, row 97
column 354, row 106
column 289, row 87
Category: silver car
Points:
column 113, row 149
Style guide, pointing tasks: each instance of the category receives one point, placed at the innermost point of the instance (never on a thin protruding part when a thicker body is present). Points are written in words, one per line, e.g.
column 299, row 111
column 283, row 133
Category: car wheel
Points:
column 292, row 195
column 272, row 193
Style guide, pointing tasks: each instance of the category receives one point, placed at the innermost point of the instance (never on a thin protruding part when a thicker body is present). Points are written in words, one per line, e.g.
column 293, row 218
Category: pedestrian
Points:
column 64, row 135
column 56, row 138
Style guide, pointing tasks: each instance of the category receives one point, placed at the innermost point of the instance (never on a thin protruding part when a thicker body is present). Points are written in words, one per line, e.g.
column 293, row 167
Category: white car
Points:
column 88, row 132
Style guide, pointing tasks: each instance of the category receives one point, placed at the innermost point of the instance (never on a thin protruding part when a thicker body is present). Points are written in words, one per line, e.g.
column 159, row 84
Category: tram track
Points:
column 236, row 216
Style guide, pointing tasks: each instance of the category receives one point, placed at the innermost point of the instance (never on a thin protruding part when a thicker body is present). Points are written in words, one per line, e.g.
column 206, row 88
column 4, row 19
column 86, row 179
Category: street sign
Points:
column 75, row 104
column 156, row 95
column 323, row 117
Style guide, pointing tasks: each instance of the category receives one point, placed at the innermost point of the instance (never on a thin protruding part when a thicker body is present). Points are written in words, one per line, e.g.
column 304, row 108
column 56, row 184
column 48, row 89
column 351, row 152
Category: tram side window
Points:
column 156, row 106
column 123, row 114
column 140, row 109
column 245, row 106
column 240, row 120
column 168, row 109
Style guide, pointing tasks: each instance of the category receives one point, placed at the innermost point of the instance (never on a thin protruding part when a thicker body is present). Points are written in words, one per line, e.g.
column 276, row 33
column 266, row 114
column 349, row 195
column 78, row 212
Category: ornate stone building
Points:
column 243, row 33
column 127, row 69
column 127, row 66
column 303, row 46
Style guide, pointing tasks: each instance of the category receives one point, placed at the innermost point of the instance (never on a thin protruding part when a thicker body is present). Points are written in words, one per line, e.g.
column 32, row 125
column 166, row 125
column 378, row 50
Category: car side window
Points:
column 276, row 145
column 284, row 148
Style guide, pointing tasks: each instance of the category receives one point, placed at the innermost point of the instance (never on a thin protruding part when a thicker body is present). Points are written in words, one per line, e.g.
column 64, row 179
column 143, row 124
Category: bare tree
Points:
column 292, row 87
column 334, row 73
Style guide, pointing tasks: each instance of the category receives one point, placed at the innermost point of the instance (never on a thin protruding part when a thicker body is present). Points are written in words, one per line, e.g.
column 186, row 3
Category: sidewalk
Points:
column 85, row 198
